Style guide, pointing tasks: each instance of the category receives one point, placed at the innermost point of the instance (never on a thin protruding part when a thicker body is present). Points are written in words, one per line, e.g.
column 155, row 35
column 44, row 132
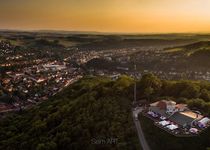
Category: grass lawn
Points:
column 173, row 50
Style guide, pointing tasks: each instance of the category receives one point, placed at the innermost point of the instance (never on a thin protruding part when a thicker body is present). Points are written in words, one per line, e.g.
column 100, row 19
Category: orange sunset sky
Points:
column 132, row 16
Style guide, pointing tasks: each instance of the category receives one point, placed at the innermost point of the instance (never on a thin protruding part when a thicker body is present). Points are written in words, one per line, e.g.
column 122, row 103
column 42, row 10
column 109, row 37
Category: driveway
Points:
column 140, row 132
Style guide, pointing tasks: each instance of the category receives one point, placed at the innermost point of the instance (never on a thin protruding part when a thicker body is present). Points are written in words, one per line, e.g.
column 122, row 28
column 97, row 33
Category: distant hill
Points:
column 193, row 56
column 116, row 42
column 45, row 44
column 197, row 45
column 190, row 48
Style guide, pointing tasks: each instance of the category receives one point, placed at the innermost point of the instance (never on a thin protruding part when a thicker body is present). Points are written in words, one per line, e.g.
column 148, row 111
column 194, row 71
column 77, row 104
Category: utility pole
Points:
column 134, row 85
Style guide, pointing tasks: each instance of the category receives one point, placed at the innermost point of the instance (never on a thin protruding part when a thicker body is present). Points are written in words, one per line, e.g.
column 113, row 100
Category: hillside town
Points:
column 26, row 83
column 29, row 76
column 32, row 85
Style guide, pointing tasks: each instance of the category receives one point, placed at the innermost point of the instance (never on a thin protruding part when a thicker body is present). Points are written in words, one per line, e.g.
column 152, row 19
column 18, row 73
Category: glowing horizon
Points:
column 140, row 16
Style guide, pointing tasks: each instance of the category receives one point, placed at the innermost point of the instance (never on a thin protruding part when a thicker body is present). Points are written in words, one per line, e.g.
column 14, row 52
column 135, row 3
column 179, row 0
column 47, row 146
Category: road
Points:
column 140, row 132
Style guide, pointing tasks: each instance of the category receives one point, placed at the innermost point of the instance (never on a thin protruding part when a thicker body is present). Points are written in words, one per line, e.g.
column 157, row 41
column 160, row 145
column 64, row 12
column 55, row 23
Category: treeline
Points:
column 194, row 93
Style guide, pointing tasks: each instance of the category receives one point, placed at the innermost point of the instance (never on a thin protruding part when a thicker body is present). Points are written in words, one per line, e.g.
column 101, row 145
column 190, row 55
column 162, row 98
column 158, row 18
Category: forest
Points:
column 91, row 109
column 98, row 108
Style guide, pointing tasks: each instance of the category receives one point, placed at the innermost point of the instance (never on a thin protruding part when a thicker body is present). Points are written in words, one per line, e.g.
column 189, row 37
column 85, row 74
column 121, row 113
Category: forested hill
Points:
column 95, row 109
column 192, row 56
column 197, row 45
column 81, row 117
column 190, row 49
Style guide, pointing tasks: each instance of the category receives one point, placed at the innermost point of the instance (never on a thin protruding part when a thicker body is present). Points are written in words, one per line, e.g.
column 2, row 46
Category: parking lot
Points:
column 173, row 128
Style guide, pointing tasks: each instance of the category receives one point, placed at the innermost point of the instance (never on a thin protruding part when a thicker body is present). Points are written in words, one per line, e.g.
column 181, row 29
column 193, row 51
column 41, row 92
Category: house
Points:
column 159, row 108
column 179, row 114
column 166, row 108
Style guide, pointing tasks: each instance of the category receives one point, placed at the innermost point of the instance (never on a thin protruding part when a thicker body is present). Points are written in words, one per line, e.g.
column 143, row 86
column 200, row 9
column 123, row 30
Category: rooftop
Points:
column 191, row 114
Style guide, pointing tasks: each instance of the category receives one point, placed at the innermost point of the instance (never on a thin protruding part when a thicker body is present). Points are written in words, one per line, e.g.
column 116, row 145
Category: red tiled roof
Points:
column 161, row 105
column 181, row 106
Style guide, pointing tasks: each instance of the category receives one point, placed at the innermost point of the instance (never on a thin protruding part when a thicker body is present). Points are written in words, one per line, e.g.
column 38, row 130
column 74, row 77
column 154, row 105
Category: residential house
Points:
column 179, row 114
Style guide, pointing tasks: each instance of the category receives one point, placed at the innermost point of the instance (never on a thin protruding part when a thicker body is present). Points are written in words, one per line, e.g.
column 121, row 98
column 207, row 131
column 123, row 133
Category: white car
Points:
column 162, row 118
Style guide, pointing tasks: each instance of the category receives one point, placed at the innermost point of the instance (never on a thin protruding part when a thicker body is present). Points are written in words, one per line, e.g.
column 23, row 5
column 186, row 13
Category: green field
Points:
column 173, row 50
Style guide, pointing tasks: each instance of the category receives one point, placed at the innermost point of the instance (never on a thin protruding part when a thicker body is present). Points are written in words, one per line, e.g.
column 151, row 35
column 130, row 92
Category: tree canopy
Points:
column 87, row 112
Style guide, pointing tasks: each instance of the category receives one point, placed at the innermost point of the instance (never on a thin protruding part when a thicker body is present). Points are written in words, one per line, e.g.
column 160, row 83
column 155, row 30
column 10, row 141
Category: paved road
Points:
column 141, row 136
